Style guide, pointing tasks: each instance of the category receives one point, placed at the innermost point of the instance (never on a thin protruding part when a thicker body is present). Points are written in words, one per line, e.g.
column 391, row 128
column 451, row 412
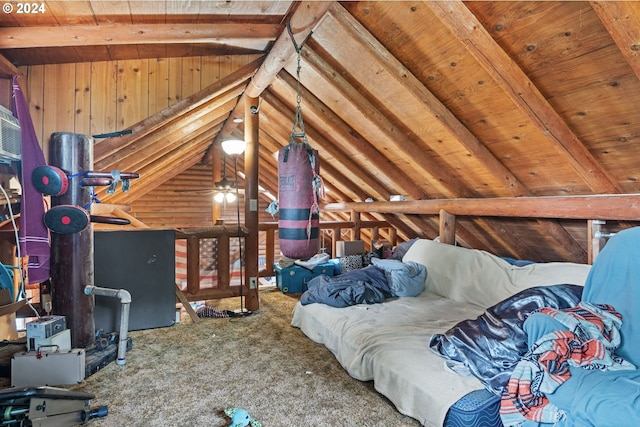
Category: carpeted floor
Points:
column 187, row 374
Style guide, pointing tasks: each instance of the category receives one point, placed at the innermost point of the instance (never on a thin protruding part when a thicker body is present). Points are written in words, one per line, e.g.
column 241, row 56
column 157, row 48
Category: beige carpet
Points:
column 187, row 374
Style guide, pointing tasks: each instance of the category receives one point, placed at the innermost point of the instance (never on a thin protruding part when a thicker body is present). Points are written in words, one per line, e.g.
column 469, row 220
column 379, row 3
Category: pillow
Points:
column 483, row 279
column 490, row 346
column 401, row 249
column 405, row 279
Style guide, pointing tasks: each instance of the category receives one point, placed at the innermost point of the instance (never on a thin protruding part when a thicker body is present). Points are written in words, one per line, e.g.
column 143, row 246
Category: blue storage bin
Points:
column 294, row 279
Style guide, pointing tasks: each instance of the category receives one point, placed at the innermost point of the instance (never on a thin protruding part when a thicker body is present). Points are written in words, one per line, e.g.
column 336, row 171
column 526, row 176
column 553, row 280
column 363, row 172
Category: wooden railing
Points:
column 227, row 254
column 374, row 230
column 613, row 207
column 593, row 208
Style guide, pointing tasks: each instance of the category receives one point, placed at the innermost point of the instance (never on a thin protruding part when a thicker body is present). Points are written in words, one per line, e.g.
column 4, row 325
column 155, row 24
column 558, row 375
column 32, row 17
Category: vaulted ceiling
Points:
column 429, row 100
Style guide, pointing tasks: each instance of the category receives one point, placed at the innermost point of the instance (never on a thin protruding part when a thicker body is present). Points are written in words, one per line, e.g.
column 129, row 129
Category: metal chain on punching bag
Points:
column 298, row 121
column 299, row 186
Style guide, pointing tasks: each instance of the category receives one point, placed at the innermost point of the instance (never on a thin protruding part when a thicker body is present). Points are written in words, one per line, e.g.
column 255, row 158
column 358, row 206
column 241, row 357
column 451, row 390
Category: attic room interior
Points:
column 430, row 202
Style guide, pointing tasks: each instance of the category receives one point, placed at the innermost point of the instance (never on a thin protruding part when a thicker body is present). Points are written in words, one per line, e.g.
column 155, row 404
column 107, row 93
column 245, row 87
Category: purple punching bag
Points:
column 298, row 209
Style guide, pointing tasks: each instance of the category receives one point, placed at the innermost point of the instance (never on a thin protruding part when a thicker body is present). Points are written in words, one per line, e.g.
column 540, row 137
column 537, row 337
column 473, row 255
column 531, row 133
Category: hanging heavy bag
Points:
column 298, row 210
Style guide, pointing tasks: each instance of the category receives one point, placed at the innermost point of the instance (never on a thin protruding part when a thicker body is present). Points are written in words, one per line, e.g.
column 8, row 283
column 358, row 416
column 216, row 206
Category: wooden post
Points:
column 596, row 243
column 447, row 227
column 355, row 217
column 223, row 261
column 337, row 236
column 394, row 235
column 72, row 263
column 251, row 217
column 216, row 175
column 270, row 251
column 375, row 234
column 193, row 264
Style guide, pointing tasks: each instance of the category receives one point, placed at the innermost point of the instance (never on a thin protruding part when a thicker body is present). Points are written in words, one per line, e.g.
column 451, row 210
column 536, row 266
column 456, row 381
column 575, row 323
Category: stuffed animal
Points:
column 241, row 418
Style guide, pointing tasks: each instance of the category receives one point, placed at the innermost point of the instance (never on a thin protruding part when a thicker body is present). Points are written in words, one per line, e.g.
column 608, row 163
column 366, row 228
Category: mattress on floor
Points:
column 389, row 344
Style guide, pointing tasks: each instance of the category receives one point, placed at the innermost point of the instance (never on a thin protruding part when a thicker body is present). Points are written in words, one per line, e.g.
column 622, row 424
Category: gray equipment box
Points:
column 46, row 326
column 61, row 340
column 48, row 368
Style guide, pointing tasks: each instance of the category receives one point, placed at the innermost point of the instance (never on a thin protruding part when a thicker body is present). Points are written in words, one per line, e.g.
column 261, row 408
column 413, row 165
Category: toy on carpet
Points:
column 241, row 418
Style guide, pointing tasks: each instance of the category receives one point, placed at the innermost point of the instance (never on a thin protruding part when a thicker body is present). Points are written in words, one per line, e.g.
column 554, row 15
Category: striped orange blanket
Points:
column 589, row 341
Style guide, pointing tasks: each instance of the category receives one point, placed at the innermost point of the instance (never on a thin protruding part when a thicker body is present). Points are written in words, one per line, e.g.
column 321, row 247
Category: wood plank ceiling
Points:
column 430, row 100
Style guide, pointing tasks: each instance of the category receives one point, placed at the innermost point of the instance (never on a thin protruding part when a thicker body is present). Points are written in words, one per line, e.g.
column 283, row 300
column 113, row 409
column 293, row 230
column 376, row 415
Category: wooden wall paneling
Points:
column 112, row 150
column 34, row 87
column 158, row 85
column 104, row 95
column 150, row 175
column 5, row 91
column 59, row 98
column 133, row 92
column 210, row 72
column 175, row 87
column 82, row 110
column 190, row 75
column 226, row 65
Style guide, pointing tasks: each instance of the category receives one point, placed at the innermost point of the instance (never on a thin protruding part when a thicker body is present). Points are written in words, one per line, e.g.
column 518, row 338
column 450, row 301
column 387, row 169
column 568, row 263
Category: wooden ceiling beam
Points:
column 303, row 21
column 7, row 69
column 305, row 18
column 522, row 92
column 135, row 34
column 361, row 111
column 155, row 174
column 155, row 150
column 182, row 125
column 622, row 21
column 434, row 107
column 355, row 171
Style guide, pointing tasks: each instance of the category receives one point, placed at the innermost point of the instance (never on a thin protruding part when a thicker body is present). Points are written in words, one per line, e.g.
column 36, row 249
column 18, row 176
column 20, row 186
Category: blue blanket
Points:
column 595, row 398
column 362, row 286
column 588, row 338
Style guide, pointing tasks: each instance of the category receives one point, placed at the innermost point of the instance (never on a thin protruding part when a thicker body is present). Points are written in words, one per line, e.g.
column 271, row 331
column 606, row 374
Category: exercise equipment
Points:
column 299, row 219
column 47, row 406
column 53, row 181
column 50, row 180
column 69, row 219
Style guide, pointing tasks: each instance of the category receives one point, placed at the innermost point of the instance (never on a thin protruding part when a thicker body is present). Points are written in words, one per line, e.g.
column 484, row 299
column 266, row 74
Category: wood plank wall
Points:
column 102, row 97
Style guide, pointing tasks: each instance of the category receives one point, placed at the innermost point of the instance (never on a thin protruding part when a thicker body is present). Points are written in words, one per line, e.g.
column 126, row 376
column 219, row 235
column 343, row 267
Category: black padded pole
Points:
column 72, row 254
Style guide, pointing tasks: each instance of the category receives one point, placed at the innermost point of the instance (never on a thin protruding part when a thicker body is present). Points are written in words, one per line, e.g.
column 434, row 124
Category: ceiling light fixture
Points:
column 234, row 147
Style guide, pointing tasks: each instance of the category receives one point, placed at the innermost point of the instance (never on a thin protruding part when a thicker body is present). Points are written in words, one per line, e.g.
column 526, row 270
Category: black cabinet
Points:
column 142, row 262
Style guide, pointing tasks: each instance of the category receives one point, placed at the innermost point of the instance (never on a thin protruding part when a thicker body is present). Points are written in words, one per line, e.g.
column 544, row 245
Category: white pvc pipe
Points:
column 125, row 300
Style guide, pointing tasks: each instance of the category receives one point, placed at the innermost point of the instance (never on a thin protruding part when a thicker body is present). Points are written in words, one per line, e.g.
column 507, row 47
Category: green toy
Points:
column 241, row 418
